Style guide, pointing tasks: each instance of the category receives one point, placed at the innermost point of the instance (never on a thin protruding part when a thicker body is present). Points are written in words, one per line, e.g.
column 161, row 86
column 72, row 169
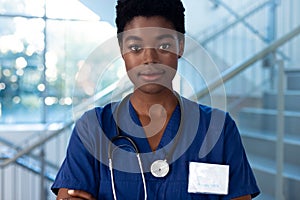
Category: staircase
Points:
column 258, row 130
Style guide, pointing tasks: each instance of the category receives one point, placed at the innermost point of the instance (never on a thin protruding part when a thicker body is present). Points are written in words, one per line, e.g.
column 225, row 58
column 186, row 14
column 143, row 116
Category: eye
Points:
column 164, row 46
column 135, row 47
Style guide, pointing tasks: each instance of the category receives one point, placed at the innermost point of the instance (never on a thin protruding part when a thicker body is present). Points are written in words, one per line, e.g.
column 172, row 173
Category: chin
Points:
column 152, row 89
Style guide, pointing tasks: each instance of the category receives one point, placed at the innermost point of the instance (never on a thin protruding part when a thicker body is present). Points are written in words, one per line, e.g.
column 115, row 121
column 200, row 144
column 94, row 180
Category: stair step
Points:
column 269, row 166
column 293, row 78
column 292, row 100
column 265, row 120
column 288, row 139
column 265, row 145
column 265, row 173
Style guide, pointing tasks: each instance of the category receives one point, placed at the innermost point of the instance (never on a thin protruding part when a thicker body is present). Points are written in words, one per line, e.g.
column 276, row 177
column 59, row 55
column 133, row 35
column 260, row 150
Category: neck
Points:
column 154, row 112
column 142, row 102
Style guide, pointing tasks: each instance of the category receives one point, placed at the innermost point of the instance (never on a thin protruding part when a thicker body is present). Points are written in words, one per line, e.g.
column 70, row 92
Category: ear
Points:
column 181, row 47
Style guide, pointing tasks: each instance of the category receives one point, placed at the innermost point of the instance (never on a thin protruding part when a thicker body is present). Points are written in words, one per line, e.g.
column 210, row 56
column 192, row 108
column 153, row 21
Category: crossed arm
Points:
column 65, row 194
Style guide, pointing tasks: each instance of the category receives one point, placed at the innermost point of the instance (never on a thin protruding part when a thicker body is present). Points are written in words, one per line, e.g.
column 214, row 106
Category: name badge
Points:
column 208, row 178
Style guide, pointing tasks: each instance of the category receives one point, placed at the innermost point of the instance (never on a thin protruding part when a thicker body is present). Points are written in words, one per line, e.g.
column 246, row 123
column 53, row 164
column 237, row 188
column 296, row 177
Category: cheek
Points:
column 131, row 61
column 171, row 61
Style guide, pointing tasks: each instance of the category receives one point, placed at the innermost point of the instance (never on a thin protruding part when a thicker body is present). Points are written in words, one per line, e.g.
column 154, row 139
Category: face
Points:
column 151, row 48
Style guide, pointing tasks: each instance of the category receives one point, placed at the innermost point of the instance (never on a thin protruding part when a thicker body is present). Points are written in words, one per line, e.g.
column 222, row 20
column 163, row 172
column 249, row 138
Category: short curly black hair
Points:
column 172, row 10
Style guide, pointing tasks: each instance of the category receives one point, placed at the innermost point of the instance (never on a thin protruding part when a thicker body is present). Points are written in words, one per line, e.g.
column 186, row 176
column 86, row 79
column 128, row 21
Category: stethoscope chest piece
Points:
column 159, row 168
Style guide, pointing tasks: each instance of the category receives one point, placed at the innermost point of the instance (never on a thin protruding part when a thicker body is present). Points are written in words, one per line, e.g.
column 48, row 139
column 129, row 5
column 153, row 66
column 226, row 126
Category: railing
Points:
column 236, row 69
column 239, row 19
column 16, row 158
column 242, row 19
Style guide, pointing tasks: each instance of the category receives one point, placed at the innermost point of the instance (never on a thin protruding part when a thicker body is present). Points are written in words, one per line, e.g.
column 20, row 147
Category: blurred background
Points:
column 44, row 44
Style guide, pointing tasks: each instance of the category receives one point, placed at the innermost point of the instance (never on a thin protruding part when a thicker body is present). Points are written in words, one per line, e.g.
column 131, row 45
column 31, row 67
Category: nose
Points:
column 150, row 56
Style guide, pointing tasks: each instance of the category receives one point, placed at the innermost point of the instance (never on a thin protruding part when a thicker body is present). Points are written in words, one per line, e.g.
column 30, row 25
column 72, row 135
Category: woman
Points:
column 151, row 39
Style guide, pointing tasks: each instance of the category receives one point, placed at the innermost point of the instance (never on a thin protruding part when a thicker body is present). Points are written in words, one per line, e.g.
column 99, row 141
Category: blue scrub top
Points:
column 86, row 164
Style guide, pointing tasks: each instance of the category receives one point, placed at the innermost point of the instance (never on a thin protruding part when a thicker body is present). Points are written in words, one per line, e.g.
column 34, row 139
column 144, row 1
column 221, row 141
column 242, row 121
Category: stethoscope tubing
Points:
column 111, row 164
column 118, row 136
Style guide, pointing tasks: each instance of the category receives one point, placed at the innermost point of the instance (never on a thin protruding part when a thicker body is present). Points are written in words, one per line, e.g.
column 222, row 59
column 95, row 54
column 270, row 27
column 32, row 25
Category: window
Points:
column 41, row 54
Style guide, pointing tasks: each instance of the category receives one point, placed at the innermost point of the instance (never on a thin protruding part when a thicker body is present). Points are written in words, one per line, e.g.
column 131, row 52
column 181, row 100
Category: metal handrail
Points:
column 35, row 145
column 16, row 148
column 95, row 98
column 225, row 76
column 242, row 19
column 238, row 20
column 236, row 69
column 79, row 108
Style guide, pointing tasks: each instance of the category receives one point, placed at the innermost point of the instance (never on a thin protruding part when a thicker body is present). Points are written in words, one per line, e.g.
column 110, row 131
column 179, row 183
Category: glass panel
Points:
column 22, row 7
column 69, row 44
column 21, row 69
column 44, row 94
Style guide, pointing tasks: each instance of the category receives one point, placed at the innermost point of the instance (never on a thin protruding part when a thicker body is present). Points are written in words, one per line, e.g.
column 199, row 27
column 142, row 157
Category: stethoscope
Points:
column 159, row 168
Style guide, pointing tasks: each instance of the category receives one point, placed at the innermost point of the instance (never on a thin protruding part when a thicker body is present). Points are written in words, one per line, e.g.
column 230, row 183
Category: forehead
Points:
column 153, row 21
column 146, row 27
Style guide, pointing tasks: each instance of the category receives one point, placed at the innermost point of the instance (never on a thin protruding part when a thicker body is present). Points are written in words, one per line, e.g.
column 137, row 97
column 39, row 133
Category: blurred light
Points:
column 2, row 86
column 21, row 63
column 30, row 31
column 13, row 78
column 30, row 50
column 7, row 72
column 49, row 101
column 41, row 87
column 11, row 43
column 40, row 67
column 16, row 99
column 66, row 101
column 51, row 75
column 51, row 59
column 20, row 72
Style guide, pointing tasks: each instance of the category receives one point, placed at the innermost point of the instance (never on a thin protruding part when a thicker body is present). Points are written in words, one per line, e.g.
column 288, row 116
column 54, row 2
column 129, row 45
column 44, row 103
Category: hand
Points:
column 78, row 195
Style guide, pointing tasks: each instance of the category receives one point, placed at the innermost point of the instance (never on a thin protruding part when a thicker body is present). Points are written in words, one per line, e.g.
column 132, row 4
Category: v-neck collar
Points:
column 169, row 133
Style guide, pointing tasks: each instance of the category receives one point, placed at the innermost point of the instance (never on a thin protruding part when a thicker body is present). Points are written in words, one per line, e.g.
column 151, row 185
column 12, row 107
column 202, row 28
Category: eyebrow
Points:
column 132, row 37
column 166, row 36
column 160, row 37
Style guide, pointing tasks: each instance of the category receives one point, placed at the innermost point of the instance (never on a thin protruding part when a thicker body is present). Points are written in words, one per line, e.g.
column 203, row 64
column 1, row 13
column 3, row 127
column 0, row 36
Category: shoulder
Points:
column 213, row 122
column 218, row 119
column 97, row 114
column 207, row 113
column 95, row 121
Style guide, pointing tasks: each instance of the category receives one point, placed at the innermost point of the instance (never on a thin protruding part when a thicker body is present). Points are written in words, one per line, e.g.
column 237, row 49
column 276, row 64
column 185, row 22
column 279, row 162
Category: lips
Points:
column 151, row 75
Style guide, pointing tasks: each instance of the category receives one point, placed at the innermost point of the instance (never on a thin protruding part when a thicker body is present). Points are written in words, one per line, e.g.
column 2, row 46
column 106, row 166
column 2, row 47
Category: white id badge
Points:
column 208, row 178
